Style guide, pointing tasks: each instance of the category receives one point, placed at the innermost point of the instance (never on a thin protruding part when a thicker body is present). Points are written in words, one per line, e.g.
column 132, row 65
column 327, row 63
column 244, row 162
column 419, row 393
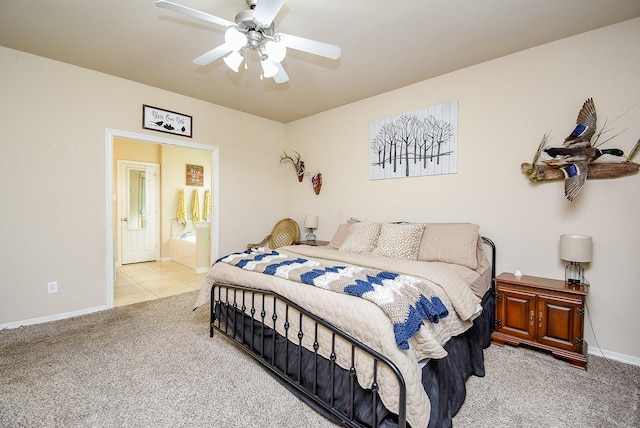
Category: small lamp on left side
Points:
column 311, row 223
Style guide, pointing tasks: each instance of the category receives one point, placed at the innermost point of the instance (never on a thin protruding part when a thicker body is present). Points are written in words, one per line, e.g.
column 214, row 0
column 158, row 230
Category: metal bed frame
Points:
column 233, row 314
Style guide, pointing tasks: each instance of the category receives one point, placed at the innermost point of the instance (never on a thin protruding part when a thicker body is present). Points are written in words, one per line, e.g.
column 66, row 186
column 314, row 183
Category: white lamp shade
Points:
column 311, row 221
column 233, row 60
column 275, row 50
column 235, row 39
column 268, row 68
column 576, row 248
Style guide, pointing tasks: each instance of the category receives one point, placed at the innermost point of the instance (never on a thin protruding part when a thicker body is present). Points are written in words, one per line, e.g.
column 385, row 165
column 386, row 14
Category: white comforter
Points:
column 367, row 322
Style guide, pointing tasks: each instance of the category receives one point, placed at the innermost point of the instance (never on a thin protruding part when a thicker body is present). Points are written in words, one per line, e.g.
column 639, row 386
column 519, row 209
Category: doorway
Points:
column 113, row 220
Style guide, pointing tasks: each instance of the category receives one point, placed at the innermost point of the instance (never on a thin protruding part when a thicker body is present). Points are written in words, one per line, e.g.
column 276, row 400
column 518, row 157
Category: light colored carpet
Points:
column 529, row 388
column 153, row 364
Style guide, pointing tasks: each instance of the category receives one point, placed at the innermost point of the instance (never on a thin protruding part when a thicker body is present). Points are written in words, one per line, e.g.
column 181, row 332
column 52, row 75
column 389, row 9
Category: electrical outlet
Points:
column 52, row 287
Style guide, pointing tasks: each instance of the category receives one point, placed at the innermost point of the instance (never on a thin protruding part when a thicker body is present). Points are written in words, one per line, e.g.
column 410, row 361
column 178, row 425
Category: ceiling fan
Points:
column 253, row 31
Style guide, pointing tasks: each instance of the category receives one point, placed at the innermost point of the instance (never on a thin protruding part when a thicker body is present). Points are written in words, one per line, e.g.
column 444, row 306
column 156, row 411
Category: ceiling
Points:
column 386, row 44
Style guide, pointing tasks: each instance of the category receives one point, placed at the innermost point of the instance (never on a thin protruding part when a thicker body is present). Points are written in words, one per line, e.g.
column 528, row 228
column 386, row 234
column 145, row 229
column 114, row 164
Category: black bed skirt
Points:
column 443, row 379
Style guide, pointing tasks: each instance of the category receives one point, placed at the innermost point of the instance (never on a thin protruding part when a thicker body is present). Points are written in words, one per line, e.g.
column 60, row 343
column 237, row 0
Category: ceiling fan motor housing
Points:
column 254, row 31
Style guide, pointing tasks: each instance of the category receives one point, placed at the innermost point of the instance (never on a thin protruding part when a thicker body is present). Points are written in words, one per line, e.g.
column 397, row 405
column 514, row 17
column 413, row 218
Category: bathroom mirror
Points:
column 137, row 200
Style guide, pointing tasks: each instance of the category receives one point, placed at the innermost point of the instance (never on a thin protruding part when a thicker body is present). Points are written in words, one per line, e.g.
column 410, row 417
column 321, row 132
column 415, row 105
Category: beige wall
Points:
column 53, row 172
column 53, row 178
column 505, row 107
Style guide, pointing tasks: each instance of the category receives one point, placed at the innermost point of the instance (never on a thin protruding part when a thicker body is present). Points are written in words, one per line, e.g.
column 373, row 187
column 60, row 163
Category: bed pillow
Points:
column 450, row 243
column 340, row 235
column 400, row 241
column 362, row 238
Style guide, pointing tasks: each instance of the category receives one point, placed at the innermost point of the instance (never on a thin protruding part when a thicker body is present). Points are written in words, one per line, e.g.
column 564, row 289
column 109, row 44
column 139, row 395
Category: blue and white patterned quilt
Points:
column 407, row 300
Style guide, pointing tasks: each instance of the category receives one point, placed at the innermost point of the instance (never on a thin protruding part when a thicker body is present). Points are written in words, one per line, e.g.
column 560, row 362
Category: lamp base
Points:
column 574, row 274
column 310, row 236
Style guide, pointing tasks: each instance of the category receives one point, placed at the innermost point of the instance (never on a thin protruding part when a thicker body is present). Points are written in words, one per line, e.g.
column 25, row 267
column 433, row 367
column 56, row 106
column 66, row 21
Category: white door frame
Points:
column 110, row 134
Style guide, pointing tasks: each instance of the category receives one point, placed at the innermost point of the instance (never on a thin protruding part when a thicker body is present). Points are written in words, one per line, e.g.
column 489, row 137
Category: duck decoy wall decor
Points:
column 580, row 157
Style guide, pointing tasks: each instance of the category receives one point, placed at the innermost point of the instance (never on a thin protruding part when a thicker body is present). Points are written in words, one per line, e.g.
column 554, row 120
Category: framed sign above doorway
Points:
column 161, row 120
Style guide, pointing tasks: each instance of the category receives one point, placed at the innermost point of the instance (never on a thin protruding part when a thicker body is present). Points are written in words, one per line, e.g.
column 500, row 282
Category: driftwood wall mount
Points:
column 596, row 170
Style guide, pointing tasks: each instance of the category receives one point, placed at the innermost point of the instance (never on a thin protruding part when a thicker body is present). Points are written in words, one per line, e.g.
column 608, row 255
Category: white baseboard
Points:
column 55, row 317
column 628, row 359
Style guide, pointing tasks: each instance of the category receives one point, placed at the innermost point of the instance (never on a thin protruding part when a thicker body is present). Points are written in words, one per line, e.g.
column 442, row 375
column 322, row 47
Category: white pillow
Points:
column 400, row 241
column 362, row 238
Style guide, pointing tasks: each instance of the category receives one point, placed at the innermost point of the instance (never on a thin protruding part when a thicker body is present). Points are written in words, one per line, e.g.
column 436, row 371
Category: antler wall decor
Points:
column 297, row 163
column 316, row 180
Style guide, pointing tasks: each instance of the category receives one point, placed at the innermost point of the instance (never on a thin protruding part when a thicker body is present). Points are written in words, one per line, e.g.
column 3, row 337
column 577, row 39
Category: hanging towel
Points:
column 207, row 205
column 182, row 209
column 195, row 207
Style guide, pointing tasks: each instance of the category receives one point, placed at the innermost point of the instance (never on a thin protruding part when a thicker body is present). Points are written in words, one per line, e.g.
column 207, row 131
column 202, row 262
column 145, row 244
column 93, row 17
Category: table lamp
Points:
column 575, row 249
column 311, row 223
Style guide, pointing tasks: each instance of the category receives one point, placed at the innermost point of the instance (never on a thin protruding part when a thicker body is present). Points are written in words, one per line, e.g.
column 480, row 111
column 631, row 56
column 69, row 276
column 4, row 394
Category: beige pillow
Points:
column 362, row 238
column 451, row 243
column 340, row 235
column 400, row 241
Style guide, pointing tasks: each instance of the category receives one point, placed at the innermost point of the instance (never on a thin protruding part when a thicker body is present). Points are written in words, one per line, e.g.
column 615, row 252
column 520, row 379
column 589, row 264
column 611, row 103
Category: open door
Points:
column 138, row 208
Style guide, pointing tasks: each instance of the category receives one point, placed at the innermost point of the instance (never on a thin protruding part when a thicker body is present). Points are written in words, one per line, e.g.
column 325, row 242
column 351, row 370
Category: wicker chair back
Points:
column 285, row 232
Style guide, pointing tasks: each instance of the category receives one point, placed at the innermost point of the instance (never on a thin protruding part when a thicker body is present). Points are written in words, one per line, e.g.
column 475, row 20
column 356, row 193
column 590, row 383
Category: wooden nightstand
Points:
column 312, row 243
column 543, row 313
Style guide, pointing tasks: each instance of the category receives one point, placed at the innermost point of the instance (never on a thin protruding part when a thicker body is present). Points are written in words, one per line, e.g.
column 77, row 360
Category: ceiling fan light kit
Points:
column 235, row 38
column 275, row 50
column 233, row 60
column 268, row 68
column 253, row 31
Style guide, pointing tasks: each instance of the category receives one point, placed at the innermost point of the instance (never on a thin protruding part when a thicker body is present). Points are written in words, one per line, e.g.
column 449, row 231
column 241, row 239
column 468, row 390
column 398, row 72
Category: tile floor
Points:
column 139, row 282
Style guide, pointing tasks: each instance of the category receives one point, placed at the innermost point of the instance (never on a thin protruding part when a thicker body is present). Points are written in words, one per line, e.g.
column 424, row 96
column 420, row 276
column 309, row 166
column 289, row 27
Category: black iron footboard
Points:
column 233, row 313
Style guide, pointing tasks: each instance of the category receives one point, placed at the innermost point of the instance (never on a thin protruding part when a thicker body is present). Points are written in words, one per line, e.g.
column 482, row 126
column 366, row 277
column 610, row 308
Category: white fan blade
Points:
column 266, row 11
column 311, row 46
column 213, row 54
column 192, row 12
column 281, row 76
